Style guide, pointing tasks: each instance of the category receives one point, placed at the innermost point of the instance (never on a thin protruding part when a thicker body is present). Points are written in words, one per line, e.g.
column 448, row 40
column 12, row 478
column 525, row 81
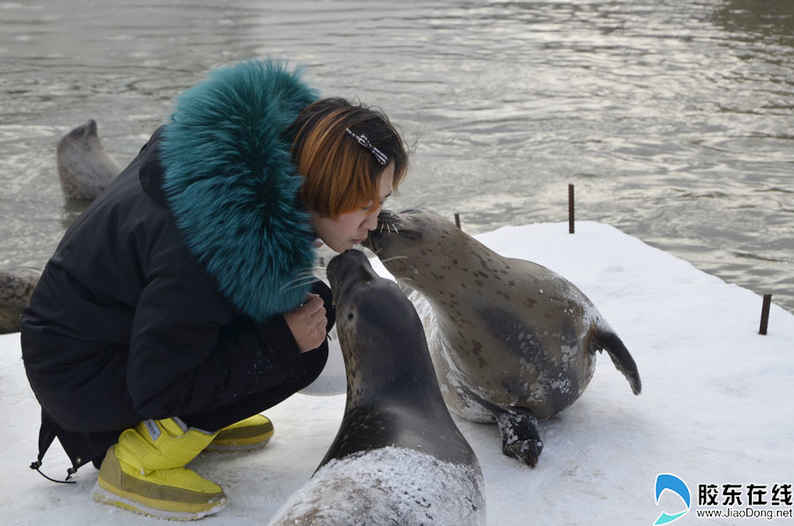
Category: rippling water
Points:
column 673, row 119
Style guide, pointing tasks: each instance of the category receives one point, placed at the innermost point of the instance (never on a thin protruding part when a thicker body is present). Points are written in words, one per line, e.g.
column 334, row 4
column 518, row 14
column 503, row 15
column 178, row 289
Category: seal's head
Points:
column 84, row 168
column 80, row 141
column 381, row 336
column 393, row 395
column 414, row 244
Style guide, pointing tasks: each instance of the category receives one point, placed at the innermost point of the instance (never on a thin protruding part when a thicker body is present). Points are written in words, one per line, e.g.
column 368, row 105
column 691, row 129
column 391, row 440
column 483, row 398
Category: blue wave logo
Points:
column 670, row 482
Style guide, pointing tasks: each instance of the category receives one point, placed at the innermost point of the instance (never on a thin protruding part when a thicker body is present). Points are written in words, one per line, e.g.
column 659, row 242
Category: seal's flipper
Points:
column 517, row 427
column 608, row 341
column 520, row 437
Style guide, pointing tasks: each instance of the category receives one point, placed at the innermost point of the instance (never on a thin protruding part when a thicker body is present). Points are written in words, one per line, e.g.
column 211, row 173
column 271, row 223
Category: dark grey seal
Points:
column 84, row 168
column 511, row 341
column 398, row 457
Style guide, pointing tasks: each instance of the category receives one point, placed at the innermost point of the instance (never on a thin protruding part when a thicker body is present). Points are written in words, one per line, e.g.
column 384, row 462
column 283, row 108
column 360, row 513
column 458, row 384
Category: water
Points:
column 673, row 119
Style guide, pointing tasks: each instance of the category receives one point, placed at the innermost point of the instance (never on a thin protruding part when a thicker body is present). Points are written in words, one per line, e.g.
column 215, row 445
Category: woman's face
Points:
column 342, row 232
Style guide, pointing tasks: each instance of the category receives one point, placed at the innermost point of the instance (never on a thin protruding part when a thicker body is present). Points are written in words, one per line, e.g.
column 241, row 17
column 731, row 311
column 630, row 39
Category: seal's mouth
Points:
column 346, row 271
column 388, row 223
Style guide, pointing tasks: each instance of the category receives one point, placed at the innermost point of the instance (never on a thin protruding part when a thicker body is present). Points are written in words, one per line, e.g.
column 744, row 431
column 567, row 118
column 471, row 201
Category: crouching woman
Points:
column 181, row 304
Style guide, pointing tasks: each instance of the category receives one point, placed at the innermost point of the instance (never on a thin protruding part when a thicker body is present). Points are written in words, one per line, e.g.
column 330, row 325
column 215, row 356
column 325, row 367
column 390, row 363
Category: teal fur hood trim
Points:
column 233, row 188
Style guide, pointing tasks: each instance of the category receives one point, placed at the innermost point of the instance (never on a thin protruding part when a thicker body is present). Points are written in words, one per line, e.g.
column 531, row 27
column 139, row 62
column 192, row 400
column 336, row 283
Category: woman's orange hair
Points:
column 341, row 173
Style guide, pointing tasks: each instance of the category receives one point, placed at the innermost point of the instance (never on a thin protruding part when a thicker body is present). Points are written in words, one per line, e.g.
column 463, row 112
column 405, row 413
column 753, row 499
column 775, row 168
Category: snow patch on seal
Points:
column 388, row 486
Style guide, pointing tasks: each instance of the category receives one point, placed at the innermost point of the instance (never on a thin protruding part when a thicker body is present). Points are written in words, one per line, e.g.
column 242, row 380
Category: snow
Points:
column 715, row 407
column 388, row 486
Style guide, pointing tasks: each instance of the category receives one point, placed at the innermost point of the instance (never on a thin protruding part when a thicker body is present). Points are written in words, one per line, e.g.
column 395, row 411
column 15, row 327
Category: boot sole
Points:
column 106, row 496
column 215, row 447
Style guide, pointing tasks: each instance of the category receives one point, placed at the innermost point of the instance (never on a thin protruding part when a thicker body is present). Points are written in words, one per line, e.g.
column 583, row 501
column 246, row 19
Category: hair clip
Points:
column 381, row 157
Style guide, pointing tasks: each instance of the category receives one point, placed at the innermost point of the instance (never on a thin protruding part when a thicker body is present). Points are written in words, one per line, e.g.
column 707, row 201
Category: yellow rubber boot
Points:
column 252, row 433
column 145, row 472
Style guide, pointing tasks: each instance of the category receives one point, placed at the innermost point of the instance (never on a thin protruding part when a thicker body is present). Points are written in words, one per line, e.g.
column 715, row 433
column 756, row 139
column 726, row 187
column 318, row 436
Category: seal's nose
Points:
column 347, row 269
column 388, row 222
column 344, row 262
column 372, row 239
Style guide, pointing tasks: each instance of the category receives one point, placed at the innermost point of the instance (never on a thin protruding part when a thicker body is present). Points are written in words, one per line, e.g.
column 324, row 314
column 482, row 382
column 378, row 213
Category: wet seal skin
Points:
column 398, row 457
column 511, row 341
column 84, row 167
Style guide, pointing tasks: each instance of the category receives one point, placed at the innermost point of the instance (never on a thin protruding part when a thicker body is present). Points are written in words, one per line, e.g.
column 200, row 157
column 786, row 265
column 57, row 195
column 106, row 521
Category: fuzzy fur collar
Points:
column 232, row 186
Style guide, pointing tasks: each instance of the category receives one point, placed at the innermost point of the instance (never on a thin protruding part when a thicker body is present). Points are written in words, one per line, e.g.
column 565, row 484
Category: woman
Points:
column 181, row 303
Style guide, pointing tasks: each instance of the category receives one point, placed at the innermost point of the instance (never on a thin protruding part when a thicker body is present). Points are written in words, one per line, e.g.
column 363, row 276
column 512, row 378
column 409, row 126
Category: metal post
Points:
column 765, row 313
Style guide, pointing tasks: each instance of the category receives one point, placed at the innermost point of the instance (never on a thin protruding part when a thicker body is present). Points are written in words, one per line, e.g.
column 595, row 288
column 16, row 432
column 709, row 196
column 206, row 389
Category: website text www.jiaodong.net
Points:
column 746, row 513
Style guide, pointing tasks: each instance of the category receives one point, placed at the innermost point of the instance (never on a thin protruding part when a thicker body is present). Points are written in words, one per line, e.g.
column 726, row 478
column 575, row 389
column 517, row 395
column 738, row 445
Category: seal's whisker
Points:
column 310, row 271
column 384, row 261
column 409, row 281
column 388, row 226
column 302, row 276
column 298, row 282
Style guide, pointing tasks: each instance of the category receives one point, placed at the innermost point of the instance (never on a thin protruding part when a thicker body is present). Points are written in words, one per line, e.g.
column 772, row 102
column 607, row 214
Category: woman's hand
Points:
column 307, row 323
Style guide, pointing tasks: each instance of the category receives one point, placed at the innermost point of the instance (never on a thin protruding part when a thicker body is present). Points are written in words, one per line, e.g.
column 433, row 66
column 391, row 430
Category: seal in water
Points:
column 511, row 340
column 84, row 168
column 15, row 291
column 398, row 457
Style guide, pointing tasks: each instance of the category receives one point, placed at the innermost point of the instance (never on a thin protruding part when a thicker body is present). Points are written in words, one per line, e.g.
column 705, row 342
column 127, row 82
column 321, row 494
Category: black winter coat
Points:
column 125, row 324
column 129, row 321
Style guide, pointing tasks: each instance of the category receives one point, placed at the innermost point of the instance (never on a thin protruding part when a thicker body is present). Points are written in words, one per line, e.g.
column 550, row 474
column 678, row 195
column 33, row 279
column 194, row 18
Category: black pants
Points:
column 84, row 447
column 86, row 425
column 304, row 371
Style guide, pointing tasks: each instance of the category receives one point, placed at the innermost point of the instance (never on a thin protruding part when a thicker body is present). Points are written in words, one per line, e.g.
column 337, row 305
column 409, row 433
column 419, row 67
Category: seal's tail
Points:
column 608, row 341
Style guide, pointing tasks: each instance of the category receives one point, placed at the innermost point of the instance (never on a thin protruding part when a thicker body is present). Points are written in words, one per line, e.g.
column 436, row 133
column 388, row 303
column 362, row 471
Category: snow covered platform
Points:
column 715, row 408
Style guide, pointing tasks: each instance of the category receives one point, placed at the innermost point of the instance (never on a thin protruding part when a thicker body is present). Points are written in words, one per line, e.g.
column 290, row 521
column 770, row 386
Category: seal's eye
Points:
column 350, row 316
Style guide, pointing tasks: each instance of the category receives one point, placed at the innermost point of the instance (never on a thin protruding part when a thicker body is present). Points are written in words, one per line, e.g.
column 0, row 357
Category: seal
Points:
column 511, row 341
column 398, row 457
column 16, row 287
column 84, row 168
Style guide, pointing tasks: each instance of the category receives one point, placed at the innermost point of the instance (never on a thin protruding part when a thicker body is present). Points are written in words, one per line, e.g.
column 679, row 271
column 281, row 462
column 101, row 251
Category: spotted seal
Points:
column 398, row 457
column 511, row 341
column 84, row 168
